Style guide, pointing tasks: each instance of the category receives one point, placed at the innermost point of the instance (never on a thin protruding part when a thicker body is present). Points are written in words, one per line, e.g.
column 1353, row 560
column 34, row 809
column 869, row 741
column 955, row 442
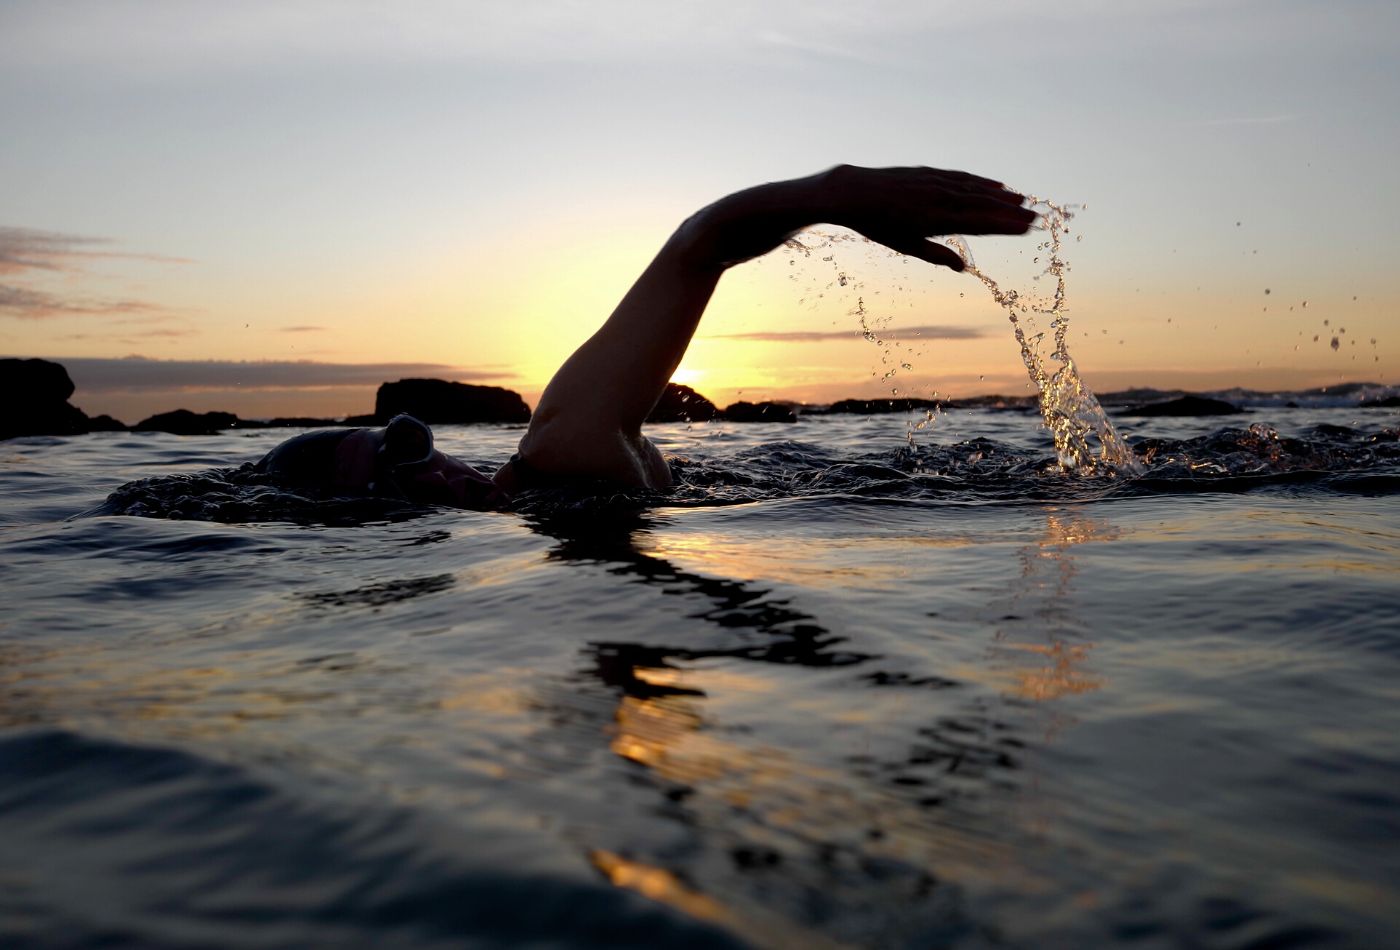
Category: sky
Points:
column 268, row 207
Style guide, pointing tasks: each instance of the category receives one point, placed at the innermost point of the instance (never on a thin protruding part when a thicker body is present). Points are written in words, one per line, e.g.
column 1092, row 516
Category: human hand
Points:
column 902, row 208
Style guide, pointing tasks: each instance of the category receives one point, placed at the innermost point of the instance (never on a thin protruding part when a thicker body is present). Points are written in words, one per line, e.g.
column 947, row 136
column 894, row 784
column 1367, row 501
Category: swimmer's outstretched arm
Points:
column 589, row 418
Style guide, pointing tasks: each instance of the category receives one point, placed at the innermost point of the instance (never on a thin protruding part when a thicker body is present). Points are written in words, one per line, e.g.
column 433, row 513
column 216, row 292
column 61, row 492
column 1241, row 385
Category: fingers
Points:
column 1015, row 221
column 930, row 251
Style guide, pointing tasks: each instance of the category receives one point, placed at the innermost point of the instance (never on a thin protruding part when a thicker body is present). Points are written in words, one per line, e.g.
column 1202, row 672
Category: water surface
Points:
column 828, row 692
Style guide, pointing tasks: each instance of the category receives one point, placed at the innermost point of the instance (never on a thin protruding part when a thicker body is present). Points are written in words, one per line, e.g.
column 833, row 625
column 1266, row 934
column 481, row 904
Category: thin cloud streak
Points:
column 29, row 249
column 24, row 304
column 135, row 373
column 926, row 332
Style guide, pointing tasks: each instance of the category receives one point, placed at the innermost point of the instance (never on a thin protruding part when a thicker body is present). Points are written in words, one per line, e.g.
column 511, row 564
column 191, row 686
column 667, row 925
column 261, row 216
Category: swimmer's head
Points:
column 399, row 461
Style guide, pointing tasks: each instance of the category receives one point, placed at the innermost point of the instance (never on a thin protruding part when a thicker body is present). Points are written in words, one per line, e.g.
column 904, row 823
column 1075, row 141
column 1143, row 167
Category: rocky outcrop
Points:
column 1185, row 406
column 184, row 422
column 682, row 404
column 106, row 423
column 34, row 400
column 868, row 407
column 759, row 412
column 437, row 401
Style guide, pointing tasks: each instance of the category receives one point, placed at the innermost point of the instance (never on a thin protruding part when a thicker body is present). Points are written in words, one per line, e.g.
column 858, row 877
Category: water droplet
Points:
column 1336, row 343
column 1267, row 291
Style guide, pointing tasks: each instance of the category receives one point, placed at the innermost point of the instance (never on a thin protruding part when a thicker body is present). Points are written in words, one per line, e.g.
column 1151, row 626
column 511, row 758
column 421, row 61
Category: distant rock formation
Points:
column 869, row 407
column 34, row 400
column 105, row 423
column 1185, row 406
column 184, row 422
column 995, row 403
column 759, row 412
column 1384, row 402
column 437, row 401
column 682, row 404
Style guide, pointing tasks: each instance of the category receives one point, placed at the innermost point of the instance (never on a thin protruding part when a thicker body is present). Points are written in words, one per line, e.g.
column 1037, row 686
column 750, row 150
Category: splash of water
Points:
column 1085, row 440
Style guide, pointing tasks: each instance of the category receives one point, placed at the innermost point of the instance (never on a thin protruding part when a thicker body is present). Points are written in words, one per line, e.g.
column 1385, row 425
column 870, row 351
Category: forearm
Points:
column 752, row 222
column 621, row 370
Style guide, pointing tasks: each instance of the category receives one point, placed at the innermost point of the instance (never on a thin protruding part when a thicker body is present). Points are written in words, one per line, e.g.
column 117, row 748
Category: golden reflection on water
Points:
column 1045, row 587
column 657, row 884
column 796, row 560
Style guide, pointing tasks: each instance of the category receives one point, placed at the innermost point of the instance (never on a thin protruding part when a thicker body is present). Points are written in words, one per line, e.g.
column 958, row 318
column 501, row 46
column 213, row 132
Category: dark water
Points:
column 829, row 692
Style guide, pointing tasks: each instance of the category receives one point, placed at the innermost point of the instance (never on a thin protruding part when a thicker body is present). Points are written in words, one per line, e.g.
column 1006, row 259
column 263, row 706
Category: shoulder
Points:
column 550, row 456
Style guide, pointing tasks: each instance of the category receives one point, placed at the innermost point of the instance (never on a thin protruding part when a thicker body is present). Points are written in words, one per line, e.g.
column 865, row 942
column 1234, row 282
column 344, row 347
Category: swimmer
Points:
column 588, row 425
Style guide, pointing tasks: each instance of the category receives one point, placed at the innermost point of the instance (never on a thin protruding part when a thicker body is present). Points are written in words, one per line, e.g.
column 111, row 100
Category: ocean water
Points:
column 829, row 692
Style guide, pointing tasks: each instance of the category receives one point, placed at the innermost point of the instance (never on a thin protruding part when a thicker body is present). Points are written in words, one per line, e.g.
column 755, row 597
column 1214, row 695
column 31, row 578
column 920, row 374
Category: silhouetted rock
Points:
column 366, row 420
column 437, row 401
column 682, row 404
column 184, row 422
column 1139, row 396
column 1185, row 406
column 1385, row 402
column 106, row 424
column 870, row 407
column 34, row 400
column 995, row 403
column 759, row 412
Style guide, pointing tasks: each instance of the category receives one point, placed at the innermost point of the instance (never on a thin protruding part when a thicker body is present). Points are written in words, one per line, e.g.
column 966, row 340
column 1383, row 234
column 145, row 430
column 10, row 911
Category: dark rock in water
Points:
column 34, row 380
column 759, row 412
column 1139, row 396
column 437, row 401
column 1185, row 406
column 184, row 422
column 366, row 420
column 682, row 404
column 995, row 403
column 106, row 424
column 34, row 400
column 870, row 407
column 1388, row 402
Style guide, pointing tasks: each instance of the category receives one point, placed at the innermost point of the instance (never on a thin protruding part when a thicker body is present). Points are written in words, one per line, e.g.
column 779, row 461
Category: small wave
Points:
column 975, row 472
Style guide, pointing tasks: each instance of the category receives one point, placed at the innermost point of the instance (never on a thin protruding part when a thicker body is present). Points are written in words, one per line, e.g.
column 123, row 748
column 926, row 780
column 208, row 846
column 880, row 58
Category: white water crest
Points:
column 1085, row 440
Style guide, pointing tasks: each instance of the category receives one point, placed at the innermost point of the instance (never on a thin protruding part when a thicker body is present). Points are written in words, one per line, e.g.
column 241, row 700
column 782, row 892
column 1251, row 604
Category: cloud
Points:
column 302, row 329
column 34, row 253
column 136, row 373
column 29, row 249
column 24, row 249
column 926, row 332
column 25, row 304
column 127, row 336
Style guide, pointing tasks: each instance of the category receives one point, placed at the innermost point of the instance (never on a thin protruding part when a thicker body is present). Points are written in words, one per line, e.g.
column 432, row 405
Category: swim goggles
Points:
column 406, row 451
